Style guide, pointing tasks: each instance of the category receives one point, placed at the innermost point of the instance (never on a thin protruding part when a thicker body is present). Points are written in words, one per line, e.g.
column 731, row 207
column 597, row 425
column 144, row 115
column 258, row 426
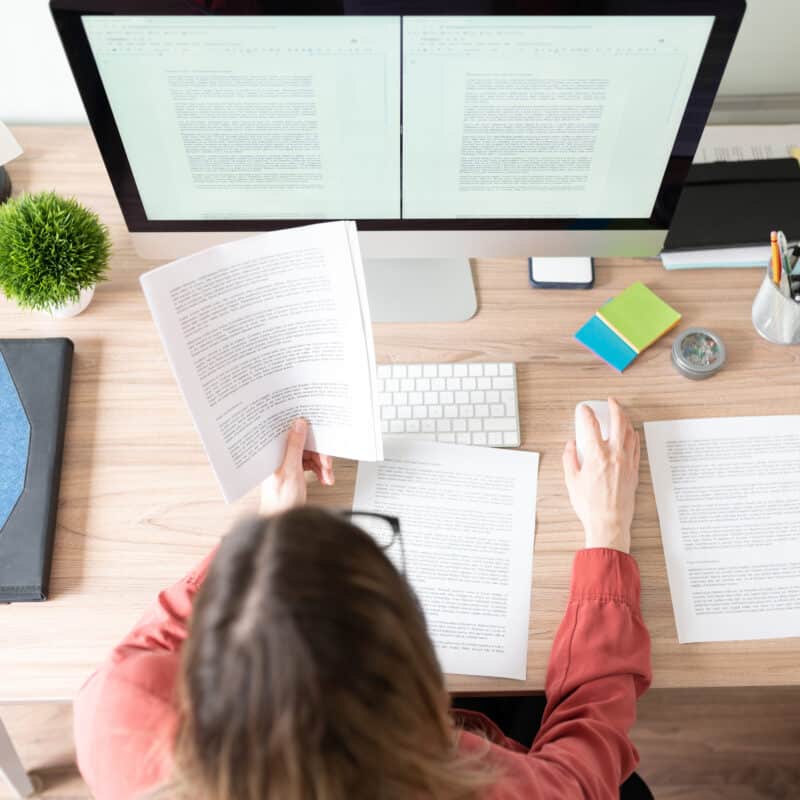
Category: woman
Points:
column 294, row 664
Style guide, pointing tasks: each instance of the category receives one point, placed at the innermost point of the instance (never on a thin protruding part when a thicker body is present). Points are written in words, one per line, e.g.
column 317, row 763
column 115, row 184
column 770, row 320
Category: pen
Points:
column 776, row 258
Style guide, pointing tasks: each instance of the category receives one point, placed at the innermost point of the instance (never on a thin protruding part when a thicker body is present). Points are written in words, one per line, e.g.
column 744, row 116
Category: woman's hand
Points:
column 286, row 487
column 603, row 490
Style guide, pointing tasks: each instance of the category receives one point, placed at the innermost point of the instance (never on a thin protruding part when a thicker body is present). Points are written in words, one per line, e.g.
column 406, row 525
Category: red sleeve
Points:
column 599, row 666
column 125, row 713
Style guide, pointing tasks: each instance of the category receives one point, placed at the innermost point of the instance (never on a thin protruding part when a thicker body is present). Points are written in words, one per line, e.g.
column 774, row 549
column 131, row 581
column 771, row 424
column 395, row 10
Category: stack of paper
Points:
column 627, row 325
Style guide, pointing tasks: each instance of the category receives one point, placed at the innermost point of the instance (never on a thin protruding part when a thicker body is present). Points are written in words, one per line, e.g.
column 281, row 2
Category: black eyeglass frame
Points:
column 394, row 522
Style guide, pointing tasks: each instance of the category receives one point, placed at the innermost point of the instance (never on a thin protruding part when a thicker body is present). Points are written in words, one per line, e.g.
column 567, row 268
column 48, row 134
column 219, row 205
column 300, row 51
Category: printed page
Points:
column 747, row 142
column 265, row 329
column 467, row 517
column 258, row 117
column 728, row 502
column 549, row 116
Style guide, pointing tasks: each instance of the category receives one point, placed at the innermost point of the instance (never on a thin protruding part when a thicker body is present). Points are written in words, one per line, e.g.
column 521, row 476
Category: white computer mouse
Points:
column 600, row 408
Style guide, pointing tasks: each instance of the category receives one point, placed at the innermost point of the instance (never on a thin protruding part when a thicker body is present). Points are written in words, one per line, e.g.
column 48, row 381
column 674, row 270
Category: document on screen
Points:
column 265, row 329
column 728, row 500
column 467, row 517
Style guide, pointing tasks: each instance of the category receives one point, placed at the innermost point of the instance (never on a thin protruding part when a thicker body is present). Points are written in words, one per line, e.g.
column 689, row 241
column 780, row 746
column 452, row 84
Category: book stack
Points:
column 627, row 325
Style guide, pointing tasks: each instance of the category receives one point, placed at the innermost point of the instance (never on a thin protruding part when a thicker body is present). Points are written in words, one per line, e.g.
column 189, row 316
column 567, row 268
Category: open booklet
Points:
column 728, row 501
column 265, row 329
column 467, row 517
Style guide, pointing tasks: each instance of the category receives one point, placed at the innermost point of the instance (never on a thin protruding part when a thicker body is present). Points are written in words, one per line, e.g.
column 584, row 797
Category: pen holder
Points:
column 775, row 316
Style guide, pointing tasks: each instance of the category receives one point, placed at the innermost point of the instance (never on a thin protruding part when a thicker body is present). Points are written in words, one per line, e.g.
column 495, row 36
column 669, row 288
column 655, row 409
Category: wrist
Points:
column 611, row 535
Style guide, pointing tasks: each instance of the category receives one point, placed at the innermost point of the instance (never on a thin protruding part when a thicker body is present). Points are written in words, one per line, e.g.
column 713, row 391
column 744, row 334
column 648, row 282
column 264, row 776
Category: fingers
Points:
column 592, row 427
column 295, row 444
column 570, row 460
column 320, row 465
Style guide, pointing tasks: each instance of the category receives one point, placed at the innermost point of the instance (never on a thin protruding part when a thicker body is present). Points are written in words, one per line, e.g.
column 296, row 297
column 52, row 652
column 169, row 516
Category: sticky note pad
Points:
column 639, row 316
column 600, row 339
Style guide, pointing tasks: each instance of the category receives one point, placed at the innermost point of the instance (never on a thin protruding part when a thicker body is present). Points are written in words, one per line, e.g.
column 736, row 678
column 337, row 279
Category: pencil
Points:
column 776, row 258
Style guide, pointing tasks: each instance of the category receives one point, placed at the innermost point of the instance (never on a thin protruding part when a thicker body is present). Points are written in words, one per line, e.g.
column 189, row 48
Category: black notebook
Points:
column 34, row 387
column 736, row 203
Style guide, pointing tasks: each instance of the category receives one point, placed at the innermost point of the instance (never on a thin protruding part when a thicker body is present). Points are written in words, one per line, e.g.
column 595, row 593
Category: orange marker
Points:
column 776, row 258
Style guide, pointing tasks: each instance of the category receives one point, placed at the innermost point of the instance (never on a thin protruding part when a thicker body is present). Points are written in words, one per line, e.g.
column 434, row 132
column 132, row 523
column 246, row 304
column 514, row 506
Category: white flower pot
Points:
column 73, row 309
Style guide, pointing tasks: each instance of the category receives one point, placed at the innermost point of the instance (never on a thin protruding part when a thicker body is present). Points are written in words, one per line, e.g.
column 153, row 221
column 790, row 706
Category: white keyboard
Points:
column 462, row 403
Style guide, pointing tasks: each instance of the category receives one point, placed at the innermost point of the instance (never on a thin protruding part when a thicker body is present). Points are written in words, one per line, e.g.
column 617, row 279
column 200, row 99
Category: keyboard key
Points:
column 495, row 439
column 407, row 385
column 474, row 424
column 388, row 412
column 400, row 399
column 443, row 425
column 384, row 370
column 412, row 426
column 492, row 397
column 477, row 397
column 415, row 370
column 460, row 370
column 462, row 438
column 379, row 385
column 420, row 411
column 479, row 438
column 422, row 385
column 415, row 398
column 437, row 384
column 484, row 383
column 446, row 437
column 510, row 438
column 462, row 397
column 435, row 412
column 466, row 411
column 453, row 384
column 429, row 370
column 446, row 398
column 384, row 426
column 384, row 399
column 451, row 411
column 502, row 383
column 428, row 426
column 404, row 412
column 497, row 410
column 459, row 425
column 399, row 371
column 490, row 370
column 482, row 410
column 430, row 398
column 498, row 424
column 507, row 369
column 395, row 426
column 468, row 384
column 445, row 370
column 392, row 385
column 475, row 370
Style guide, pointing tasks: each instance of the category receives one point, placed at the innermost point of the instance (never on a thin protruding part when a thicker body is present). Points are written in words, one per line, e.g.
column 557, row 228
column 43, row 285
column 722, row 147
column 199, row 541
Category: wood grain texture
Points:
column 139, row 504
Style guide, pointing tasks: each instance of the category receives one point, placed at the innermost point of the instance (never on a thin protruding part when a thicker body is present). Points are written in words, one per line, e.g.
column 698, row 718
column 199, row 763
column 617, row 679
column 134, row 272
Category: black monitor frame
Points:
column 727, row 13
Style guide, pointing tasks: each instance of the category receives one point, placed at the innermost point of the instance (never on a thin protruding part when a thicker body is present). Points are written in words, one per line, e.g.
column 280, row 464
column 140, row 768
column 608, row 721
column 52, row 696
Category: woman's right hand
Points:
column 603, row 490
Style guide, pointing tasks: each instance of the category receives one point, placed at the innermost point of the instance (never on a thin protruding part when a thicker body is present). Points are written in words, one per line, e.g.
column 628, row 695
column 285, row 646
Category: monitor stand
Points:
column 420, row 289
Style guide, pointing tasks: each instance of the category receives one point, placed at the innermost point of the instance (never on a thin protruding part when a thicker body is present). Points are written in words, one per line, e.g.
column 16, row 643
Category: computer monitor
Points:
column 446, row 129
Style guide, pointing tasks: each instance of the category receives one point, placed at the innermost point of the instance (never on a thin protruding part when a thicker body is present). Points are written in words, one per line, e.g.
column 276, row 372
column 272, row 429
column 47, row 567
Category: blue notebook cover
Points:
column 602, row 341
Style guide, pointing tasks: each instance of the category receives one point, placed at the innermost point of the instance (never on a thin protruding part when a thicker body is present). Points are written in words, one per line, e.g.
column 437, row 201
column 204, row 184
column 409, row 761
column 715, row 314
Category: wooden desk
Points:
column 139, row 505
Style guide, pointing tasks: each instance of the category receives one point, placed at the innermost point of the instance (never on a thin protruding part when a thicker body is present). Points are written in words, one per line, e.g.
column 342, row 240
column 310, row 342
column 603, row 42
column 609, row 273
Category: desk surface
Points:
column 139, row 505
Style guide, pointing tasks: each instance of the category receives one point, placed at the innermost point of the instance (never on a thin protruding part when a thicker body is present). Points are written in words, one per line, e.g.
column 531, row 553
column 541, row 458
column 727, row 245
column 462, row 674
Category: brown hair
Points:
column 308, row 674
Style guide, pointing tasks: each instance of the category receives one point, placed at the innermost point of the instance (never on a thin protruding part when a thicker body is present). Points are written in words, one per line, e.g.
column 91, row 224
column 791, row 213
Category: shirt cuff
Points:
column 602, row 573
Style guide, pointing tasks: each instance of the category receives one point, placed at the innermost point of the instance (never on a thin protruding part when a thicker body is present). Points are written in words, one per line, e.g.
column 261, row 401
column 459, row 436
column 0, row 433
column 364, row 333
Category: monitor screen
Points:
column 398, row 117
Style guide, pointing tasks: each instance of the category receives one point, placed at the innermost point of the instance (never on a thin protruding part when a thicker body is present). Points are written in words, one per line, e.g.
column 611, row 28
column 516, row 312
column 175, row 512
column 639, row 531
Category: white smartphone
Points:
column 561, row 273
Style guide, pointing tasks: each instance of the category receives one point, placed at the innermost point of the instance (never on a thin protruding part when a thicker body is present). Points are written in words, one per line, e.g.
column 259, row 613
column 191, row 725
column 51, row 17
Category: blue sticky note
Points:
column 600, row 339
column 15, row 432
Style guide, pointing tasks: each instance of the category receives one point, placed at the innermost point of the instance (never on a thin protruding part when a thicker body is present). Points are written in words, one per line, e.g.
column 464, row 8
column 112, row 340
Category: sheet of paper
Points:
column 9, row 147
column 265, row 329
column 467, row 516
column 728, row 500
column 746, row 142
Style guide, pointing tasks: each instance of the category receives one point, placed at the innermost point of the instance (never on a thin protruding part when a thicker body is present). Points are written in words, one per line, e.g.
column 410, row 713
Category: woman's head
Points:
column 308, row 673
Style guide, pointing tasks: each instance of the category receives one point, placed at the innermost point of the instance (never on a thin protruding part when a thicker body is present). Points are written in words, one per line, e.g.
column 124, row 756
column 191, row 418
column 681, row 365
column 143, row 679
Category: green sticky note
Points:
column 639, row 316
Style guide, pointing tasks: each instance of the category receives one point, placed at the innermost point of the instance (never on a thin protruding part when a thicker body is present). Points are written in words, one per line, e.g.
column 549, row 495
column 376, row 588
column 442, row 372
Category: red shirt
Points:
column 125, row 717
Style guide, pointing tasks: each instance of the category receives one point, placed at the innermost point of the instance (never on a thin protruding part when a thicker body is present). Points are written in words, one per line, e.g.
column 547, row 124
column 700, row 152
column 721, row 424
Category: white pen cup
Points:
column 775, row 316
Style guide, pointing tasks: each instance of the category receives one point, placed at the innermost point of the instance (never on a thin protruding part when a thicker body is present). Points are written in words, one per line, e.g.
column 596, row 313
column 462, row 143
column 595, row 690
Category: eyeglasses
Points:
column 383, row 528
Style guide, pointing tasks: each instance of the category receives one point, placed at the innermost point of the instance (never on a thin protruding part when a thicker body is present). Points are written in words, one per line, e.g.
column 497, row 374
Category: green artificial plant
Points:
column 51, row 247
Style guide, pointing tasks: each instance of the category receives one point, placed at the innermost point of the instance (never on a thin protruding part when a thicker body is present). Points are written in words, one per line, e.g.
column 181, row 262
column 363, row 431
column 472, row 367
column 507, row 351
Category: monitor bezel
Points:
column 727, row 18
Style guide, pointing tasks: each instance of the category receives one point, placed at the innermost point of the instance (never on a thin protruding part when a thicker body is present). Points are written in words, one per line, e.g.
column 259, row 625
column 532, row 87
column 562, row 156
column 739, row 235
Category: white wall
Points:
column 36, row 84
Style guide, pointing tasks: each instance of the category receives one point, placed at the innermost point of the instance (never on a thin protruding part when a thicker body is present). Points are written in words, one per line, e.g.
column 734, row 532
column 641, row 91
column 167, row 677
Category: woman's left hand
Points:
column 286, row 487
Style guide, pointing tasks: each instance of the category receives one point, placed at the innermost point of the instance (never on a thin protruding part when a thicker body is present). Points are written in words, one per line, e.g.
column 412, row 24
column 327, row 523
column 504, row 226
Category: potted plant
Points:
column 53, row 252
